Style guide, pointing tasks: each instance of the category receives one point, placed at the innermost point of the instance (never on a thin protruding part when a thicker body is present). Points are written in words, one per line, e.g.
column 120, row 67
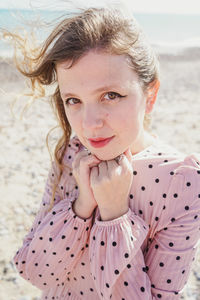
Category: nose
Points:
column 92, row 118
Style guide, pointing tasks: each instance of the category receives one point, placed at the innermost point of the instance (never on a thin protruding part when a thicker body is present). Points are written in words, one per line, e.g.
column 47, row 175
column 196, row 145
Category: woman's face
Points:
column 103, row 98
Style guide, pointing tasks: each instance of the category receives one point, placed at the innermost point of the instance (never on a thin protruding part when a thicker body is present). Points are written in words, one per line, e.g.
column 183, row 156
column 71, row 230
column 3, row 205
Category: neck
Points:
column 145, row 140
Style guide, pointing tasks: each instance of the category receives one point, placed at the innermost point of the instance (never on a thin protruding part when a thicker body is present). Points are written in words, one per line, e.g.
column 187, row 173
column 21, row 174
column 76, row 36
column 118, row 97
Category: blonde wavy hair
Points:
column 106, row 30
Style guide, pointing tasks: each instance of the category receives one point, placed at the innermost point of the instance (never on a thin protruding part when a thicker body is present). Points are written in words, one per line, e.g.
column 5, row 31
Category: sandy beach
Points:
column 25, row 161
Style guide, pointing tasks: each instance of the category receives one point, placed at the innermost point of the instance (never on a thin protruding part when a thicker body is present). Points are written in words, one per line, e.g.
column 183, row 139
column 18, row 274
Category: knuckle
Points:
column 87, row 159
column 79, row 157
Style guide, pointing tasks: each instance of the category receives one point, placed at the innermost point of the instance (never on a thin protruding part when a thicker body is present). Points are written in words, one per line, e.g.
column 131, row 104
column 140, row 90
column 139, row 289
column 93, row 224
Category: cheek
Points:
column 131, row 120
column 127, row 117
column 72, row 119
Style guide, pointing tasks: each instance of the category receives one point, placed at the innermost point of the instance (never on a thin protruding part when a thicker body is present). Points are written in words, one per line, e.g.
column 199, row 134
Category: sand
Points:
column 24, row 158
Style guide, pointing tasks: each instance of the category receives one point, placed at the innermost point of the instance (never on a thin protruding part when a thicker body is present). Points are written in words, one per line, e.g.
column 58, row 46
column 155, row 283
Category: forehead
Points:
column 95, row 56
column 95, row 67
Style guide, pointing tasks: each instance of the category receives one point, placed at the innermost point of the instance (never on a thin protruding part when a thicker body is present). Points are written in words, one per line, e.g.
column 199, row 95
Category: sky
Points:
column 142, row 6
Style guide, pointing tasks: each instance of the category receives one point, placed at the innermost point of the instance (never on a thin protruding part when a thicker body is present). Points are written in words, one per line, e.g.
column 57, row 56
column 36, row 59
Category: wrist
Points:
column 81, row 210
column 108, row 215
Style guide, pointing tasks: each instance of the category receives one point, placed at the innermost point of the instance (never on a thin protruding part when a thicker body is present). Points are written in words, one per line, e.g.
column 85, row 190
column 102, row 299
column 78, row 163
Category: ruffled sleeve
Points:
column 58, row 237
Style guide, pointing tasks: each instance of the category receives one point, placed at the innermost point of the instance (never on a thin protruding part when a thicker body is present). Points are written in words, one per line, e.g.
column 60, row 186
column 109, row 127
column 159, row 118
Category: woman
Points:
column 123, row 221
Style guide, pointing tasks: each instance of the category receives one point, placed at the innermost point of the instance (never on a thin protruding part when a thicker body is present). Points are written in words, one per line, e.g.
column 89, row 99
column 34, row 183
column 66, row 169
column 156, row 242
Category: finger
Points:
column 83, row 153
column 94, row 175
column 113, row 166
column 119, row 158
column 84, row 167
column 103, row 169
column 126, row 161
column 77, row 157
column 87, row 162
column 128, row 155
column 83, row 156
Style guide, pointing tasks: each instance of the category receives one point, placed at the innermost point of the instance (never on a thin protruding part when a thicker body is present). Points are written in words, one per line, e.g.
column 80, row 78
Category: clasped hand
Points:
column 110, row 182
column 105, row 184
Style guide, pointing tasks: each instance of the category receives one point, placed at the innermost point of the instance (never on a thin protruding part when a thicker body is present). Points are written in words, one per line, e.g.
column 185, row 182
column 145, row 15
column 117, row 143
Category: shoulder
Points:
column 183, row 190
column 189, row 170
column 190, row 165
column 165, row 165
column 167, row 158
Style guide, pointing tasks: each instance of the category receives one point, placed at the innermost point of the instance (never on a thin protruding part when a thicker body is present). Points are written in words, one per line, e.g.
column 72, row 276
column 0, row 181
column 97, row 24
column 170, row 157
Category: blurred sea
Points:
column 168, row 33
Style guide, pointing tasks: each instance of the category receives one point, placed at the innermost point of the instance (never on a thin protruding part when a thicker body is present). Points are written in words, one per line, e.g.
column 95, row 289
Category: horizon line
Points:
column 135, row 12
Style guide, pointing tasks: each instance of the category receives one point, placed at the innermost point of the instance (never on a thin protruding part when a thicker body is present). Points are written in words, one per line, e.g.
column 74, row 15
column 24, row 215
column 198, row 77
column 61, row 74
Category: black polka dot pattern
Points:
column 163, row 217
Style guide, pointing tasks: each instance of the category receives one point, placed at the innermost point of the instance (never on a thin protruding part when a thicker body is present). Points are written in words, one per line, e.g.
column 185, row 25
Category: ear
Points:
column 152, row 95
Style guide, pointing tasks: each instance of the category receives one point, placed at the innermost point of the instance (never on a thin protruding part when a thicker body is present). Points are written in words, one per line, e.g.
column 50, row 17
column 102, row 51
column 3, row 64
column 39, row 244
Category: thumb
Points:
column 128, row 154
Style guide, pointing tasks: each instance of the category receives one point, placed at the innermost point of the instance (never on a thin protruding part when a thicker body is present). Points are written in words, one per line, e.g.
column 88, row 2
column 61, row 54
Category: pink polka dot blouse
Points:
column 145, row 254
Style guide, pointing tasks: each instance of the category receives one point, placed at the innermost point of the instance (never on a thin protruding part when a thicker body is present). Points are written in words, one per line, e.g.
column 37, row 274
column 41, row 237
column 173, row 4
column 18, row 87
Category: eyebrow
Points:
column 103, row 88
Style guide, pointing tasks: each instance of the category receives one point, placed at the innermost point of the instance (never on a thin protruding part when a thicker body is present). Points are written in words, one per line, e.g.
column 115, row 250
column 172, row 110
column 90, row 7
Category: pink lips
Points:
column 100, row 142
